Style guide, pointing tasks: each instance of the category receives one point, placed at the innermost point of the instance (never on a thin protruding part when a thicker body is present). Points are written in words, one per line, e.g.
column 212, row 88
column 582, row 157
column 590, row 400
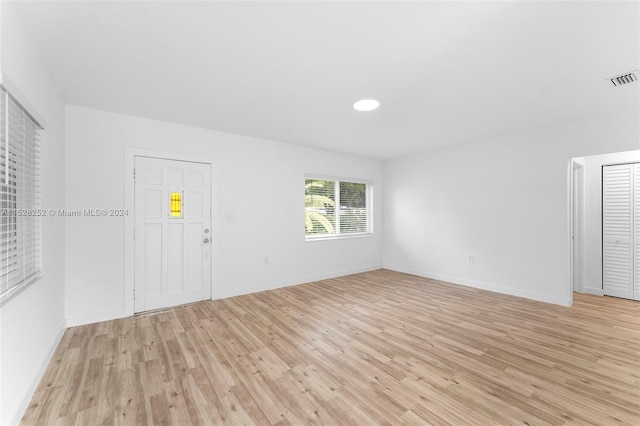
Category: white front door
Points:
column 172, row 233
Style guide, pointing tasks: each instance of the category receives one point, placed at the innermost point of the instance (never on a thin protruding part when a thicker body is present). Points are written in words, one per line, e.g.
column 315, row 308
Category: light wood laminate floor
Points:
column 374, row 348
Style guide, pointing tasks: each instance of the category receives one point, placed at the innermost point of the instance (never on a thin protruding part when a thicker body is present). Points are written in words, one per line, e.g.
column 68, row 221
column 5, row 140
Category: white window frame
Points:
column 369, row 207
column 27, row 234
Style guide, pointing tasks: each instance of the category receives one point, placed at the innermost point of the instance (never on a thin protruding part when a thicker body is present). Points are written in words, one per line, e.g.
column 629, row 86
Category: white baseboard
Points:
column 484, row 286
column 43, row 367
column 288, row 283
column 596, row 291
column 90, row 319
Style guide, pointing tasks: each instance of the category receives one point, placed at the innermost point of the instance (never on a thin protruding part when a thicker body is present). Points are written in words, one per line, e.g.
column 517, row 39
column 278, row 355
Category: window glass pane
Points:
column 176, row 204
column 353, row 207
column 319, row 203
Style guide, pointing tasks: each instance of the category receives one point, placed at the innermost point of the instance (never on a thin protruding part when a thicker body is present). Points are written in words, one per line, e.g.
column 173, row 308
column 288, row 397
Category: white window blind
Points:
column 336, row 208
column 20, row 229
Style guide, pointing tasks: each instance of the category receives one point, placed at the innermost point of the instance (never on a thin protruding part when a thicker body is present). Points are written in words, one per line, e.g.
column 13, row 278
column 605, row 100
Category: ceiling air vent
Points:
column 621, row 80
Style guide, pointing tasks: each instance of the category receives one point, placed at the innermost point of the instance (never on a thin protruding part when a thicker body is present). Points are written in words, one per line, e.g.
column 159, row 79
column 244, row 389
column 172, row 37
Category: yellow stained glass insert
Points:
column 176, row 204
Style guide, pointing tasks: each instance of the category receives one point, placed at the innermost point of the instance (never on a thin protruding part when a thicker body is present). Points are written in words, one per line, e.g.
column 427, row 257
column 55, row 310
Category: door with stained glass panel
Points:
column 172, row 233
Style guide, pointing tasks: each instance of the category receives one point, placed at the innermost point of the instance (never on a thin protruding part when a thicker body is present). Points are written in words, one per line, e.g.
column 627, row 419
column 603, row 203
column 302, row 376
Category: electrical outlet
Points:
column 266, row 261
column 471, row 259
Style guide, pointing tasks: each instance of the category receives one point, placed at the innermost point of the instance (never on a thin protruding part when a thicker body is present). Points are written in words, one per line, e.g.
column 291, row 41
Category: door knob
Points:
column 206, row 240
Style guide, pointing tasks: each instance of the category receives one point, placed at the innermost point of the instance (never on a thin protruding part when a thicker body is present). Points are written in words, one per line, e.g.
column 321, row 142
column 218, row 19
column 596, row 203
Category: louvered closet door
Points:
column 617, row 210
column 636, row 226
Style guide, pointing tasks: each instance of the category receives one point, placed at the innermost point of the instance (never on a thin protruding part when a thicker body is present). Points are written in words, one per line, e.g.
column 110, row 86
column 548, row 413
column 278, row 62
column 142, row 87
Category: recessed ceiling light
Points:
column 366, row 105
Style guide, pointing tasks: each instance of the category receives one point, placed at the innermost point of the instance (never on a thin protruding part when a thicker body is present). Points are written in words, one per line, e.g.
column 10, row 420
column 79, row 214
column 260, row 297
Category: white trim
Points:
column 569, row 222
column 129, row 248
column 337, row 178
column 573, row 166
column 321, row 237
column 570, row 196
column 288, row 283
column 21, row 99
column 620, row 163
column 484, row 286
column 15, row 290
column 26, row 400
column 579, row 205
column 596, row 291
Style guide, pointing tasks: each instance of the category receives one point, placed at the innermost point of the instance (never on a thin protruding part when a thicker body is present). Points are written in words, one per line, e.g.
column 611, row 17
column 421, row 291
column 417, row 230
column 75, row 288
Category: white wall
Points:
column 33, row 322
column 503, row 201
column 260, row 209
column 593, row 214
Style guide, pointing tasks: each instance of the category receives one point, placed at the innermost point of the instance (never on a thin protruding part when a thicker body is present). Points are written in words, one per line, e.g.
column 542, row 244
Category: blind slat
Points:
column 20, row 236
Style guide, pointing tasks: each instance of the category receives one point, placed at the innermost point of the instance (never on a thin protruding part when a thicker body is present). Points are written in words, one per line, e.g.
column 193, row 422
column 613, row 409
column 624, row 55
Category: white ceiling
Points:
column 445, row 72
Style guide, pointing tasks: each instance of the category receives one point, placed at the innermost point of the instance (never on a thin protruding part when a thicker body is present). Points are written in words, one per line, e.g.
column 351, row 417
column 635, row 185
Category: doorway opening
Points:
column 586, row 217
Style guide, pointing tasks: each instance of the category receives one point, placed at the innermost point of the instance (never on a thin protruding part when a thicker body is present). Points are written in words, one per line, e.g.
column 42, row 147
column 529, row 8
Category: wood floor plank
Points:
column 380, row 347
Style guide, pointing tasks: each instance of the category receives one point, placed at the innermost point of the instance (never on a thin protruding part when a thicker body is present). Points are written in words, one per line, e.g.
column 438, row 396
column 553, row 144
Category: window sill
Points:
column 338, row 237
column 19, row 288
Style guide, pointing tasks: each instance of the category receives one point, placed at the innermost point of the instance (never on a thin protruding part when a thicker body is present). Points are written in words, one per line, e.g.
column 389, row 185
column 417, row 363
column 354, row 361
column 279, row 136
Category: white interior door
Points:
column 618, row 232
column 172, row 233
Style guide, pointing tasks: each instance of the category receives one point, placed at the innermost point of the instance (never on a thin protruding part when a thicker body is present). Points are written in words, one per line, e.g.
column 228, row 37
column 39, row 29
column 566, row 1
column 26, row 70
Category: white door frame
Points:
column 129, row 190
column 570, row 197
column 577, row 230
